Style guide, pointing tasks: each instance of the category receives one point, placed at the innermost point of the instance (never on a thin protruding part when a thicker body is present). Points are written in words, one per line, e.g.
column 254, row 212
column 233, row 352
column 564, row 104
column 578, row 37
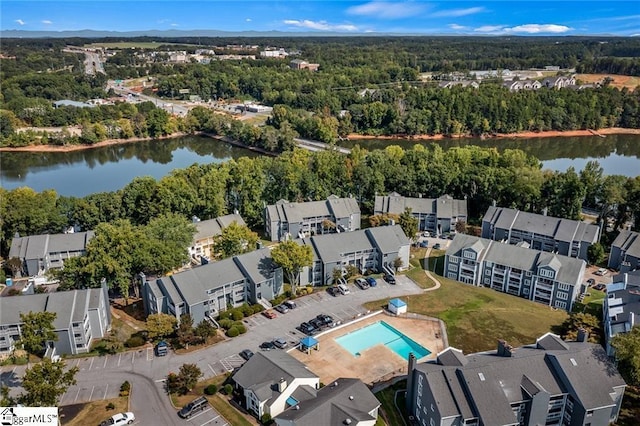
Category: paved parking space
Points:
column 85, row 393
column 207, row 417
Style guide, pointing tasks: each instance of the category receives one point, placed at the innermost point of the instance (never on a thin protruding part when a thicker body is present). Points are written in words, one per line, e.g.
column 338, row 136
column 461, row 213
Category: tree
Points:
column 160, row 325
column 595, row 253
column 45, row 383
column 235, row 239
column 336, row 274
column 398, row 263
column 461, row 227
column 204, row 330
column 292, row 257
column 5, row 399
column 580, row 320
column 185, row 380
column 408, row 223
column 36, row 330
column 627, row 350
column 185, row 332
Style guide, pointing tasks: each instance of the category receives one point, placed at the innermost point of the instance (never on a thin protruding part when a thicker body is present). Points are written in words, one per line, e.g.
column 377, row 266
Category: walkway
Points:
column 429, row 274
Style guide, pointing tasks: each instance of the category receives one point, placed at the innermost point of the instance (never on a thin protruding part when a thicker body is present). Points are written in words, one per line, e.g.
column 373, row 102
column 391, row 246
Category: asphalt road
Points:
column 100, row 378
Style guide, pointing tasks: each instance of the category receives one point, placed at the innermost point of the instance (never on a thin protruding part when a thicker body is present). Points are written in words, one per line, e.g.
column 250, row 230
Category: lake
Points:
column 111, row 167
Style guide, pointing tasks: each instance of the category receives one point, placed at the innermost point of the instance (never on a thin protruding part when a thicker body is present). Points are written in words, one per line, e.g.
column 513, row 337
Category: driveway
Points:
column 100, row 378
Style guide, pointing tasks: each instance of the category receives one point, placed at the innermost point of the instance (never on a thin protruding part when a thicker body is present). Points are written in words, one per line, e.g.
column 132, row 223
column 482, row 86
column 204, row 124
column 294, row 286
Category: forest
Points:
column 481, row 175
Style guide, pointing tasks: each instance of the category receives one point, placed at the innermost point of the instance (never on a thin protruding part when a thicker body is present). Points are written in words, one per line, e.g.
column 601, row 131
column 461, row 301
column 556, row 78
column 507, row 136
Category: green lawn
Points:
column 476, row 317
column 416, row 273
column 388, row 410
column 592, row 304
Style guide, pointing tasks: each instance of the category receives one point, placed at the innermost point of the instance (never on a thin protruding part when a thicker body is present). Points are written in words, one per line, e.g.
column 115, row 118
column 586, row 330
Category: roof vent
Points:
column 297, row 407
column 351, row 397
column 347, row 422
column 481, row 376
column 335, row 383
column 573, row 361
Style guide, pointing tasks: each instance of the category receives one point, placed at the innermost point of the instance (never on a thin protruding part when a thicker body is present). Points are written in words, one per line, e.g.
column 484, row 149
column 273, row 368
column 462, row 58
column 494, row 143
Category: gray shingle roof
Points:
column 628, row 241
column 267, row 368
column 329, row 246
column 443, row 207
column 213, row 227
column 388, row 238
column 258, row 264
column 37, row 246
column 335, row 403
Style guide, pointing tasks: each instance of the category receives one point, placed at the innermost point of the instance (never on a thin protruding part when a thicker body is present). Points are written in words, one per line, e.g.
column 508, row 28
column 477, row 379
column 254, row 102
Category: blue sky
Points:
column 543, row 17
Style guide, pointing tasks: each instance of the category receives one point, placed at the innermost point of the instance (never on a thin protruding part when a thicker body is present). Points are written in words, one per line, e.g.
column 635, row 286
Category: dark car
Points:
column 424, row 244
column 372, row 281
column 317, row 324
column 282, row 308
column 437, row 246
column 290, row 304
column 333, row 291
column 307, row 328
column 267, row 346
column 591, row 282
column 193, row 407
column 327, row 320
column 390, row 278
column 599, row 287
column 246, row 354
column 162, row 348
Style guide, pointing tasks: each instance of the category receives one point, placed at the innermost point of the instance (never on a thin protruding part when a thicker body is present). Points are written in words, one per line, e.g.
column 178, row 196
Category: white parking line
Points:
column 105, row 391
column 211, row 368
column 215, row 418
column 133, row 357
column 149, row 354
column 119, row 358
column 91, row 395
column 200, row 413
column 105, row 361
column 91, row 365
column 77, row 394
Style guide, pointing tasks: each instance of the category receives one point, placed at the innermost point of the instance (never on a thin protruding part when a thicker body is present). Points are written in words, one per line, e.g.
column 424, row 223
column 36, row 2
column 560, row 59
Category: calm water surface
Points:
column 112, row 167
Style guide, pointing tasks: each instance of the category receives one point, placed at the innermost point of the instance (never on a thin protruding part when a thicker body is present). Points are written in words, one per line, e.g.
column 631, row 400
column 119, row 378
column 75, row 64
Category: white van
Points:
column 343, row 289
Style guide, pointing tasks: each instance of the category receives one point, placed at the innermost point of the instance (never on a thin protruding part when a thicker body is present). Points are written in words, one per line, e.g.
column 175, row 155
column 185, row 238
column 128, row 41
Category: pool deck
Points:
column 375, row 364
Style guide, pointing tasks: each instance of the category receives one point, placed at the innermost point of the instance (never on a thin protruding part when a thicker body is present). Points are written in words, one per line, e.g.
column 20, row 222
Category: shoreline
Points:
column 353, row 136
column 520, row 135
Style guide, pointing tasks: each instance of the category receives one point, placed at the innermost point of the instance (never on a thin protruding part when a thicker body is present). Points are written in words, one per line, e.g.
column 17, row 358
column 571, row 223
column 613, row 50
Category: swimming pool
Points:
column 381, row 333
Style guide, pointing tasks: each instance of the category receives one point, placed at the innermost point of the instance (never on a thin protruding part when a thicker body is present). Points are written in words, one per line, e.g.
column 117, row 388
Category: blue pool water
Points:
column 381, row 333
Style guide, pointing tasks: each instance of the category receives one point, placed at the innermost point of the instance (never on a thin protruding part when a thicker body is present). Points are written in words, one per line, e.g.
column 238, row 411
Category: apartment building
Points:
column 81, row 316
column 298, row 220
column 551, row 382
column 205, row 291
column 435, row 215
column 207, row 231
column 368, row 249
column 40, row 253
column 542, row 277
column 562, row 236
column 621, row 308
column 625, row 252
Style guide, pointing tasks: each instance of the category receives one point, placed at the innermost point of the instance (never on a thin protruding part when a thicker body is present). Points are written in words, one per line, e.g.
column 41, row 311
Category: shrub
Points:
column 228, row 389
column 134, row 342
column 111, row 406
column 126, row 386
column 241, row 328
column 233, row 332
column 237, row 315
column 246, row 310
column 211, row 389
column 265, row 419
column 257, row 308
column 225, row 323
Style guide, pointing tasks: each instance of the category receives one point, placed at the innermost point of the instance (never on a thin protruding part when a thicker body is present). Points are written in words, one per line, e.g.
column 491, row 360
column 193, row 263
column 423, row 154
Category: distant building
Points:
column 551, row 382
column 298, row 64
column 559, row 82
column 207, row 231
column 40, row 253
column 81, row 316
column 625, row 252
column 542, row 277
column 296, row 220
column 67, row 102
column 435, row 215
column 271, row 52
column 621, row 309
column 563, row 236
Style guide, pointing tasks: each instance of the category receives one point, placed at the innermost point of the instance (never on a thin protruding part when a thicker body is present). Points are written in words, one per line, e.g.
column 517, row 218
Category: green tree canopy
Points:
column 292, row 257
column 45, row 382
column 235, row 239
column 408, row 223
column 37, row 329
column 595, row 253
column 160, row 325
column 627, row 347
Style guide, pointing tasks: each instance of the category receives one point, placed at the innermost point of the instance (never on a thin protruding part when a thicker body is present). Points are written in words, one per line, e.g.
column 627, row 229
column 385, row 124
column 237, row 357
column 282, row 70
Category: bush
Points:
column 111, row 406
column 237, row 315
column 211, row 389
column 241, row 328
column 266, row 419
column 257, row 308
column 134, row 342
column 246, row 310
column 126, row 386
column 228, row 389
column 233, row 332
column 226, row 323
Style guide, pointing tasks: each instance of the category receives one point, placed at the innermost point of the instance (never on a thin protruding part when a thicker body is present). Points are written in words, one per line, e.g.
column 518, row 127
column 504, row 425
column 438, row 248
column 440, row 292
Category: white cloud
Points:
column 20, row 21
column 47, row 22
column 523, row 29
column 320, row 25
column 458, row 27
column 387, row 10
column 458, row 12
column 248, row 20
column 175, row 25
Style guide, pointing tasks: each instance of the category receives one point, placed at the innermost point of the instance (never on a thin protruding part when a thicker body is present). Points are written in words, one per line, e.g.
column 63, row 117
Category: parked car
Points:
column 307, row 328
column 600, row 287
column 280, row 343
column 119, row 419
column 326, row 319
column 317, row 324
column 602, row 272
column 390, row 278
column 193, row 407
column 343, row 289
column 290, row 304
column 269, row 314
column 282, row 308
column 591, row 282
column 267, row 346
column 372, row 281
column 423, row 244
column 426, row 234
column 436, row 246
column 333, row 291
column 162, row 348
column 362, row 283
column 246, row 354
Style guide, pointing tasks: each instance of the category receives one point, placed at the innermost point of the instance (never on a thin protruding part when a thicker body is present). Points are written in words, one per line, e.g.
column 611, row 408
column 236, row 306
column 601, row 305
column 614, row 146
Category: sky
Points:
column 542, row 17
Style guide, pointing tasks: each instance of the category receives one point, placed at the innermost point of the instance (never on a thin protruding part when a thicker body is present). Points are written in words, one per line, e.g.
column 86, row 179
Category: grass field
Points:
column 92, row 412
column 476, row 317
column 619, row 81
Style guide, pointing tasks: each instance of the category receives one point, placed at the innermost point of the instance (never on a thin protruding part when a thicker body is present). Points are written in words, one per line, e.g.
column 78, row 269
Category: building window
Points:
column 453, row 267
column 563, row 287
column 562, row 295
column 547, row 273
column 561, row 305
column 453, row 259
column 487, row 271
column 469, row 254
